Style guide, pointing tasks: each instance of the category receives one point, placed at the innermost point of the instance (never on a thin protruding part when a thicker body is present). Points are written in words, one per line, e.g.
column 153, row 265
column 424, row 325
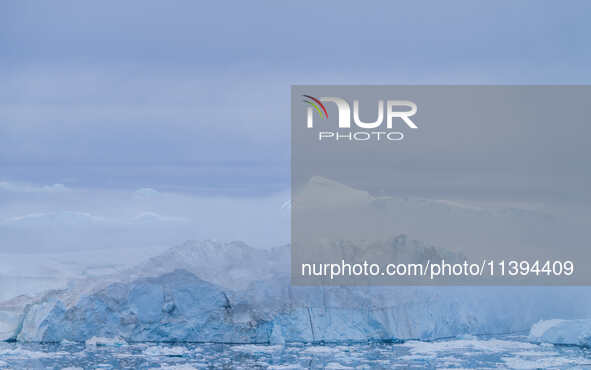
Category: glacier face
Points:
column 156, row 302
column 176, row 306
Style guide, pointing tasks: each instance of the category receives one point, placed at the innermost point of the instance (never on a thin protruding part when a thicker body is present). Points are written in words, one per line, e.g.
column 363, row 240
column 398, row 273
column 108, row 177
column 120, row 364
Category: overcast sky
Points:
column 120, row 119
column 144, row 93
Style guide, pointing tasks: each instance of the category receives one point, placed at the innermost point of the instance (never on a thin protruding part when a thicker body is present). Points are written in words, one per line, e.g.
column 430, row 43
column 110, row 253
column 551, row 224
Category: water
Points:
column 469, row 352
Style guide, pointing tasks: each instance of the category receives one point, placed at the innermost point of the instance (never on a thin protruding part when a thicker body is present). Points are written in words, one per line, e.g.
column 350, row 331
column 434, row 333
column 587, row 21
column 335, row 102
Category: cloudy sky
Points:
column 195, row 95
column 192, row 98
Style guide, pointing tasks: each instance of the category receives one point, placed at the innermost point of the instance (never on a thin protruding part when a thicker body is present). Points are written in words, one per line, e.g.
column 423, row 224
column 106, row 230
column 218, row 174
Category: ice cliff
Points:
column 214, row 292
column 173, row 307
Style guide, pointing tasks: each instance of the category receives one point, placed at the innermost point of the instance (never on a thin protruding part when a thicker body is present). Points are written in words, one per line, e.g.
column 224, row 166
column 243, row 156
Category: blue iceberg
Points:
column 191, row 294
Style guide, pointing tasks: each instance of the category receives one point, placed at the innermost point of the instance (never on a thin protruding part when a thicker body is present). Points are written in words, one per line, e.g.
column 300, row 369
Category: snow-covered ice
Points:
column 570, row 332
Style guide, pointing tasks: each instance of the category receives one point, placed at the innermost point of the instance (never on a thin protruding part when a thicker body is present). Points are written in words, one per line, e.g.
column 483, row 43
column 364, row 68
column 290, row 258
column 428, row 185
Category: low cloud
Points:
column 29, row 188
column 83, row 219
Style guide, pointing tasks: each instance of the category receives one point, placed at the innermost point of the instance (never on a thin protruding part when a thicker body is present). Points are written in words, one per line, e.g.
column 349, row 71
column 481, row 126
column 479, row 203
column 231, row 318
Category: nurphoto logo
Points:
column 392, row 112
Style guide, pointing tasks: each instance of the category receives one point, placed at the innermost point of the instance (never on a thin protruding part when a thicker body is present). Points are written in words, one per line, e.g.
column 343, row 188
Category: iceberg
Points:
column 201, row 302
column 208, row 291
column 567, row 332
column 173, row 307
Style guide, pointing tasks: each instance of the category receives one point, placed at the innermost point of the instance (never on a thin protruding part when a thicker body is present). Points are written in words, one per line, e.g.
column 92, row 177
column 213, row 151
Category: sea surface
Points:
column 510, row 351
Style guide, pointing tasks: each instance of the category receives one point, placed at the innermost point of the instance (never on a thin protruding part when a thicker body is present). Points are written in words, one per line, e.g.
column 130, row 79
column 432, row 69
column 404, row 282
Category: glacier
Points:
column 233, row 293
